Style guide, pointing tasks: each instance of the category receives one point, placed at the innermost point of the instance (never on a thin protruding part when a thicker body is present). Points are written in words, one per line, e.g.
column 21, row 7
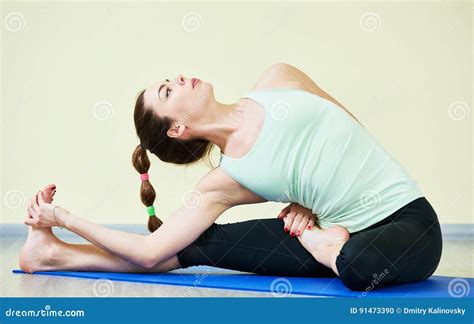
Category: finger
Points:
column 310, row 223
column 284, row 211
column 303, row 224
column 286, row 225
column 28, row 215
column 29, row 221
column 32, row 213
column 33, row 200
column 40, row 198
column 296, row 223
column 36, row 207
column 289, row 220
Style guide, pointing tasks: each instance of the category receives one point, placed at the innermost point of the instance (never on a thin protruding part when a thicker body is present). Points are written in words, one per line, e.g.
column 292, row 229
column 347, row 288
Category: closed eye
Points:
column 168, row 90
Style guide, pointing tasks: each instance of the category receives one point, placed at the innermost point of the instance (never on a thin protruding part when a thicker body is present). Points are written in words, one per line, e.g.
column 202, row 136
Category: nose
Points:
column 180, row 79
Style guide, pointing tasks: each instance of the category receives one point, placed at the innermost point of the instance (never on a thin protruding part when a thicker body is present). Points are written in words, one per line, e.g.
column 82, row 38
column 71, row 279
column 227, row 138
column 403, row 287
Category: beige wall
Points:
column 403, row 69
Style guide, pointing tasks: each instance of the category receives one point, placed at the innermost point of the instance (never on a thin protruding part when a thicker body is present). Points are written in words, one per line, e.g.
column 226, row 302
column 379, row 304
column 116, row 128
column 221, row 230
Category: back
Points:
column 312, row 152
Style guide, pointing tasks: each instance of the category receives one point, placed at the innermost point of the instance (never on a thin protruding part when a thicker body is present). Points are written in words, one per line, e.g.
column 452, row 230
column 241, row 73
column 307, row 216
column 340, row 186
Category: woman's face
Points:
column 182, row 99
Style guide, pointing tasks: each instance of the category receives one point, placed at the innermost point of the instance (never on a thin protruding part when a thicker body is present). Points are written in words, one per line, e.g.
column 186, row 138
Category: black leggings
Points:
column 404, row 247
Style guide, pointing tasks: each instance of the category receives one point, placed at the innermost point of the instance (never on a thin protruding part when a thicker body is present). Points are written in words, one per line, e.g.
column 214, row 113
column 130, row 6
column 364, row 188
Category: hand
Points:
column 41, row 213
column 297, row 218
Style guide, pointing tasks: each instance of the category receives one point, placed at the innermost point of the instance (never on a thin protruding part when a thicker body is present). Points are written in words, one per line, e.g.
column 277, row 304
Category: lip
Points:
column 194, row 81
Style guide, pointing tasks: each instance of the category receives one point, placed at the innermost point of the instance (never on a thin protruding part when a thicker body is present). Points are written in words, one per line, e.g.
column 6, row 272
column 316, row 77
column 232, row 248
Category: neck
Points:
column 221, row 121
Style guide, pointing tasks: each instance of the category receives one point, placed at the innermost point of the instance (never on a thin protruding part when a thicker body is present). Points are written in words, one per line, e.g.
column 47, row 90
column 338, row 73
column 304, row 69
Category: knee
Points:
column 362, row 270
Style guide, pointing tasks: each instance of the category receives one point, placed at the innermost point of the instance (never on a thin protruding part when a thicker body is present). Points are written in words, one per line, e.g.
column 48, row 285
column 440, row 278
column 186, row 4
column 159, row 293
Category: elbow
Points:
column 148, row 263
column 148, row 256
column 150, row 260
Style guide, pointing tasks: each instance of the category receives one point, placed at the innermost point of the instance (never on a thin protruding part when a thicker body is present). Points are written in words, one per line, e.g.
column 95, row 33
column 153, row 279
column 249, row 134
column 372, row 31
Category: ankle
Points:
column 54, row 255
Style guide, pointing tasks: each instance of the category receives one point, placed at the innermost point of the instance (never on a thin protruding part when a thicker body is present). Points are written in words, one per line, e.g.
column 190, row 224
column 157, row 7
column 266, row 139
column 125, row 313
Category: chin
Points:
column 206, row 91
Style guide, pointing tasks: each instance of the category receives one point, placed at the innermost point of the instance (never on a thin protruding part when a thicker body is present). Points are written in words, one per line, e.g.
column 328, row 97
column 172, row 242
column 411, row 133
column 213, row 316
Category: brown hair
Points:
column 152, row 132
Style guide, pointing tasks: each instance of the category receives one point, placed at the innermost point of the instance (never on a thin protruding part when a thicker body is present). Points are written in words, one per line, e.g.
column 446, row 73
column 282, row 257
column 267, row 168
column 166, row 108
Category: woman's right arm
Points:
column 215, row 193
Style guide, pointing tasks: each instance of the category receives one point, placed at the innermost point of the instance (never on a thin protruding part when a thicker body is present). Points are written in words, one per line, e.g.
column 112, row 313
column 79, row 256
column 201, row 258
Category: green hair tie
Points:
column 151, row 210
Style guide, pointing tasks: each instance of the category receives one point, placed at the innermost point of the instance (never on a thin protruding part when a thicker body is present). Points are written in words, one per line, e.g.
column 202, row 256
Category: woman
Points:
column 287, row 140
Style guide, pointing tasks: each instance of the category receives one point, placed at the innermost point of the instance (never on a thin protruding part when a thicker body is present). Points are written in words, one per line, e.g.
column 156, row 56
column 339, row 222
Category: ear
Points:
column 176, row 131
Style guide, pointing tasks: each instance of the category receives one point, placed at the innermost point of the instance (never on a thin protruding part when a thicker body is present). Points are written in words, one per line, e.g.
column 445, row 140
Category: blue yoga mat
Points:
column 211, row 277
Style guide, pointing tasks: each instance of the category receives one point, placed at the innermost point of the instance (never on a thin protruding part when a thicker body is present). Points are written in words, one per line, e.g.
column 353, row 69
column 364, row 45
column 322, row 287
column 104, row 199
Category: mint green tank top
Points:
column 312, row 152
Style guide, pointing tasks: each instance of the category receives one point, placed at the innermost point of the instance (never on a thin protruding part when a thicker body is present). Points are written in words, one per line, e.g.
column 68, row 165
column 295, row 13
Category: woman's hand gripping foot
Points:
column 37, row 254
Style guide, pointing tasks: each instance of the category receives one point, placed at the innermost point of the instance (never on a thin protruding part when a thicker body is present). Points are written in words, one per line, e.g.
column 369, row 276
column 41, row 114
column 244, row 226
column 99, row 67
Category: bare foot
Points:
column 315, row 238
column 38, row 252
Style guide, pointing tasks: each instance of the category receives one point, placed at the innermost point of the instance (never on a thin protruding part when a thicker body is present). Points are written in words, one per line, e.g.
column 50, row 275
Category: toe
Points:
column 48, row 196
column 51, row 186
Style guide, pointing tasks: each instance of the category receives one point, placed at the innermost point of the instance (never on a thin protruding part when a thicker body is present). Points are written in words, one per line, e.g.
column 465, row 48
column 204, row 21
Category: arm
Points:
column 217, row 193
column 180, row 229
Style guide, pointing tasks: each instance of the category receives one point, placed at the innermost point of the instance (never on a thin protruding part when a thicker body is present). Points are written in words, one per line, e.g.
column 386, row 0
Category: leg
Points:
column 45, row 252
column 406, row 248
column 259, row 246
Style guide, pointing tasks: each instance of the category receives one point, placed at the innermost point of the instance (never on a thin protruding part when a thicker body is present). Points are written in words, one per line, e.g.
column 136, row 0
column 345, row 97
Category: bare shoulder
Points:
column 283, row 75
column 278, row 75
column 231, row 192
